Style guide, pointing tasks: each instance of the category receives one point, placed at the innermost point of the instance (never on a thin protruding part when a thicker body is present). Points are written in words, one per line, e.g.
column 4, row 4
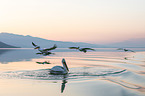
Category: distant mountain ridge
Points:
column 26, row 41
column 3, row 45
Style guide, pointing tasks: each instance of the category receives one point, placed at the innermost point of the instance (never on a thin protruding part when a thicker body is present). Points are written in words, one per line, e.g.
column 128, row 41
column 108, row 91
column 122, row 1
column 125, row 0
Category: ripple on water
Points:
column 75, row 73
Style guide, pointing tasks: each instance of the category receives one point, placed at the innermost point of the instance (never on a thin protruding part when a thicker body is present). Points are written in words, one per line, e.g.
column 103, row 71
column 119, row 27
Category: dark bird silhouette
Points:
column 125, row 49
column 45, row 62
column 63, row 85
column 74, row 47
column 82, row 49
column 125, row 58
column 44, row 51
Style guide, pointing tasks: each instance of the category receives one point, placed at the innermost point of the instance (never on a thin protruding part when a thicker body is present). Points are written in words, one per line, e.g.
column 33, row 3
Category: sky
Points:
column 91, row 21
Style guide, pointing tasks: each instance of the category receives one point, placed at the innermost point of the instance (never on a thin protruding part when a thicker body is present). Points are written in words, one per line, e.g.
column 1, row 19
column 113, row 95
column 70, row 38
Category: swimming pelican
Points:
column 60, row 70
column 125, row 49
column 44, row 51
column 82, row 49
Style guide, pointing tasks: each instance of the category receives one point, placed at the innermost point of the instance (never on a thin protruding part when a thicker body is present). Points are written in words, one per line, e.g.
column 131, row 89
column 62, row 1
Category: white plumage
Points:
column 60, row 70
column 44, row 51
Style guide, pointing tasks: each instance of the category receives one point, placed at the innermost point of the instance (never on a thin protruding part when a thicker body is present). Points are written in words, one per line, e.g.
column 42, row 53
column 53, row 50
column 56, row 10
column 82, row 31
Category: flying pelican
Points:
column 74, row 47
column 44, row 51
column 125, row 49
column 82, row 49
column 60, row 70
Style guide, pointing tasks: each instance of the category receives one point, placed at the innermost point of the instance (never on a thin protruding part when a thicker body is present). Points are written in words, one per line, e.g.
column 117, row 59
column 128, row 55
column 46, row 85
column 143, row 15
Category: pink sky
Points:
column 93, row 21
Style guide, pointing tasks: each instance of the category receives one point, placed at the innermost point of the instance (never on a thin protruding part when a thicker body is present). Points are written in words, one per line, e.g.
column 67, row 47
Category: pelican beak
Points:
column 65, row 65
column 36, row 48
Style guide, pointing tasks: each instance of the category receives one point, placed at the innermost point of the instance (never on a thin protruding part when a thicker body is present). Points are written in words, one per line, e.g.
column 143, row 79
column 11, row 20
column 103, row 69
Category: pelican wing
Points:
column 88, row 49
column 84, row 50
column 52, row 48
column 39, row 62
column 47, row 62
column 34, row 44
column 130, row 50
column 73, row 47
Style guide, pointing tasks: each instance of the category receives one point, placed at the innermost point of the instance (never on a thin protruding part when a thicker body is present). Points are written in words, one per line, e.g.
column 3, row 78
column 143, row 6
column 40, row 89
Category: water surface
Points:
column 104, row 72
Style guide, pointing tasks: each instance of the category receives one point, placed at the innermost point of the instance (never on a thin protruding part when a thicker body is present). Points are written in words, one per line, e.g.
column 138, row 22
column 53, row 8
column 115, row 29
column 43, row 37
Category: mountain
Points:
column 3, row 45
column 137, row 42
column 26, row 41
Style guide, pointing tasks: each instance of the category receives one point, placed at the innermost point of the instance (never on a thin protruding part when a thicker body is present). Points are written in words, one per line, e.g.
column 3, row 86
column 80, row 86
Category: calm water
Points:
column 105, row 72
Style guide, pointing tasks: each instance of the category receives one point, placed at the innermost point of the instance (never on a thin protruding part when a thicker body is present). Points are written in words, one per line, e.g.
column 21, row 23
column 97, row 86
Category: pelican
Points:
column 125, row 49
column 74, row 47
column 44, row 51
column 82, row 49
column 60, row 70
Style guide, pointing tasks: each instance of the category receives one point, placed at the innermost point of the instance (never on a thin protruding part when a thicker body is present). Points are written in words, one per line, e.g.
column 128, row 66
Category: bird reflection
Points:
column 125, row 49
column 45, row 62
column 64, row 81
column 16, row 55
column 125, row 58
column 2, row 51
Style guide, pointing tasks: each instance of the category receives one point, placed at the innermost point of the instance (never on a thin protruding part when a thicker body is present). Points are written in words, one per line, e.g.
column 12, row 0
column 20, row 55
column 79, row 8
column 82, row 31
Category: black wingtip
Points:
column 33, row 43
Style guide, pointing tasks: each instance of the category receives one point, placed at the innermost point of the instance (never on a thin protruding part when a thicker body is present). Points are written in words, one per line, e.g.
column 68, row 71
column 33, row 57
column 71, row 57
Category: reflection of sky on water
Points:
column 14, row 55
column 108, row 66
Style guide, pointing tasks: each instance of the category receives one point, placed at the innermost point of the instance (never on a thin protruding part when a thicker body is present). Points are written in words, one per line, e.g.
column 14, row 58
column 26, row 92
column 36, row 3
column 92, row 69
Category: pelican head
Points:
column 37, row 47
column 65, row 65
